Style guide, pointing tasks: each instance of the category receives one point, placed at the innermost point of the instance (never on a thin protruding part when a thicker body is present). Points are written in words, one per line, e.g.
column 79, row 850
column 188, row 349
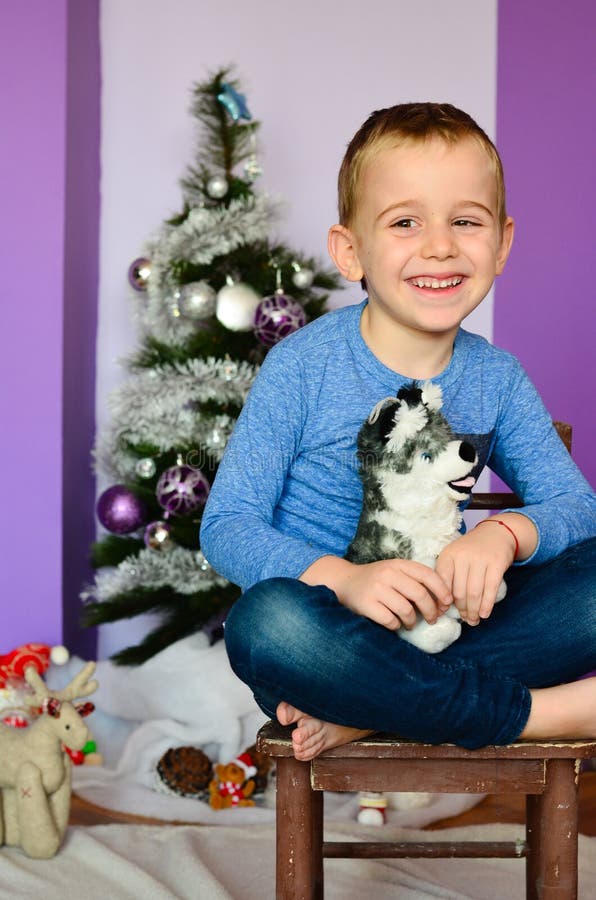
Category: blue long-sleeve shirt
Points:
column 288, row 491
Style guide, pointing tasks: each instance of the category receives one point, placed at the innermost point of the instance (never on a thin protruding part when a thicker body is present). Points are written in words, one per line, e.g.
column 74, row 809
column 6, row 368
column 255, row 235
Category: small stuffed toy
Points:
column 415, row 474
column 373, row 805
column 35, row 771
column 233, row 784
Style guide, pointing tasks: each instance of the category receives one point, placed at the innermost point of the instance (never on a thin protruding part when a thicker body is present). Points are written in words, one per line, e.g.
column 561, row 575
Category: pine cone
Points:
column 185, row 771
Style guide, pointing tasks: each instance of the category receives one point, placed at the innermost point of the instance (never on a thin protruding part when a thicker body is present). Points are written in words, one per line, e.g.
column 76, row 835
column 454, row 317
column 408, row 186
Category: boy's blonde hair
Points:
column 418, row 122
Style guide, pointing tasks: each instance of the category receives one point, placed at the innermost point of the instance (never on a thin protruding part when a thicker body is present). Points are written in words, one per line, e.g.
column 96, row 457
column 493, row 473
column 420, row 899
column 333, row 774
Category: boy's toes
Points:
column 287, row 714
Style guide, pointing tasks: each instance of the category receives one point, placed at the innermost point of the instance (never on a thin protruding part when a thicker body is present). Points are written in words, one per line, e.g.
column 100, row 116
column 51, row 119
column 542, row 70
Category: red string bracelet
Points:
column 505, row 525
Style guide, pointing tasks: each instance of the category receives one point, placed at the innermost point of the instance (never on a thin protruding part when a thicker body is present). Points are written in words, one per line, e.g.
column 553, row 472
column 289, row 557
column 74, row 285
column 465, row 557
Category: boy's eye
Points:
column 466, row 223
column 405, row 223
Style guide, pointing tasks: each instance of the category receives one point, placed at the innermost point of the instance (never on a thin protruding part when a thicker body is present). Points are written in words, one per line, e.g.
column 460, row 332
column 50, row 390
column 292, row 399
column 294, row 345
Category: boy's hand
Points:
column 473, row 567
column 389, row 592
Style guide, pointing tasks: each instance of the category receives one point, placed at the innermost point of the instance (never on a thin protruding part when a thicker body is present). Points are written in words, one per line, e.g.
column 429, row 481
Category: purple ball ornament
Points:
column 181, row 489
column 276, row 317
column 139, row 273
column 120, row 511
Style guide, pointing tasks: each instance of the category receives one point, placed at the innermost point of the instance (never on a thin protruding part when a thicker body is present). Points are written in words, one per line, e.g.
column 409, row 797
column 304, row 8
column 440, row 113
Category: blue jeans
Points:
column 289, row 641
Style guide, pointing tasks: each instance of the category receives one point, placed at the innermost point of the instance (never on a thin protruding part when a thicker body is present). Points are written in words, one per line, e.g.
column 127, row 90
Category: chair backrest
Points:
column 507, row 499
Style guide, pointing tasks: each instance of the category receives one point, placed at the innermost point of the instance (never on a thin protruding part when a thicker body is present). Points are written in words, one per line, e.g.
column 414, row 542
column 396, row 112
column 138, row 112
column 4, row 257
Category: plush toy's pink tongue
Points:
column 464, row 482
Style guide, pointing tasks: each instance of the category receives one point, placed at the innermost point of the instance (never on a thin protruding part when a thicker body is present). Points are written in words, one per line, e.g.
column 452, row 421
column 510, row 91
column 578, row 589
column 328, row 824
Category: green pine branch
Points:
column 183, row 614
column 113, row 549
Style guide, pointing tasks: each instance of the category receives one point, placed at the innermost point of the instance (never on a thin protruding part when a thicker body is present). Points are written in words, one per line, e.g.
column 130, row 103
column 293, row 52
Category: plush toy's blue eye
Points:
column 426, row 457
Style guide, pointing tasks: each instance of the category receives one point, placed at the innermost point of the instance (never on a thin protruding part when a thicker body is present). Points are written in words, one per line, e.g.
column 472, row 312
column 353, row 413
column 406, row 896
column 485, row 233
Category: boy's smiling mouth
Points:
column 427, row 281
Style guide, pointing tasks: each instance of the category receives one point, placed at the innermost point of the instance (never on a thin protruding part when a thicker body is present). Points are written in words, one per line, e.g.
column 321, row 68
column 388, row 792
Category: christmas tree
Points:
column 211, row 300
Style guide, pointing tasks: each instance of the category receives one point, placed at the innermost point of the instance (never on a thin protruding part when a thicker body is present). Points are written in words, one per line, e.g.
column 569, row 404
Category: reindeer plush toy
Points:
column 415, row 474
column 35, row 769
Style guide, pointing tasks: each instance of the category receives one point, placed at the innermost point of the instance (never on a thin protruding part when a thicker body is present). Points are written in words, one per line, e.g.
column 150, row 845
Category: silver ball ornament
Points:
column 303, row 278
column 146, row 468
column 157, row 536
column 217, row 187
column 197, row 300
column 230, row 369
column 202, row 561
column 252, row 169
column 236, row 306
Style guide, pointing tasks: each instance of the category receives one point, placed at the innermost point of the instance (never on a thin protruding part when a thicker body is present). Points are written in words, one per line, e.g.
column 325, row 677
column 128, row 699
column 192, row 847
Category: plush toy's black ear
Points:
column 386, row 421
column 411, row 393
column 376, row 430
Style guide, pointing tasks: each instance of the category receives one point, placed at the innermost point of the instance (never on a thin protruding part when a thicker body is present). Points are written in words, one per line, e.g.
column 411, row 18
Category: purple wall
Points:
column 546, row 132
column 81, row 275
column 48, row 257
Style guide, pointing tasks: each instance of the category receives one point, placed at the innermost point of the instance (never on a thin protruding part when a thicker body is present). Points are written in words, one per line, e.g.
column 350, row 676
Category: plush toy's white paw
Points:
column 433, row 638
column 501, row 591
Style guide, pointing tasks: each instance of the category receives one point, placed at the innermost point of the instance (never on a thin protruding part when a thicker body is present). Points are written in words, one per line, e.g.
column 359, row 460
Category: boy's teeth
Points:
column 436, row 283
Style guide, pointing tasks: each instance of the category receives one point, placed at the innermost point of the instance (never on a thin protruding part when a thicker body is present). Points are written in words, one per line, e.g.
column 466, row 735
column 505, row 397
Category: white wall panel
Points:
column 312, row 72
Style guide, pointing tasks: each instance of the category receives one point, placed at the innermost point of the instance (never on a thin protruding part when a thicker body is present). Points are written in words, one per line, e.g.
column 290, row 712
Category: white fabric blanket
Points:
column 187, row 695
column 128, row 862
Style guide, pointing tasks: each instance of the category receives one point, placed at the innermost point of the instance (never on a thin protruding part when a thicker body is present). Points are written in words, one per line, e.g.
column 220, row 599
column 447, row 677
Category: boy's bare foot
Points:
column 565, row 711
column 311, row 736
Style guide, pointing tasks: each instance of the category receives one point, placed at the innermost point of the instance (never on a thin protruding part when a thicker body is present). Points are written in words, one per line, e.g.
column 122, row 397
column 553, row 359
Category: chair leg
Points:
column 551, row 833
column 299, row 833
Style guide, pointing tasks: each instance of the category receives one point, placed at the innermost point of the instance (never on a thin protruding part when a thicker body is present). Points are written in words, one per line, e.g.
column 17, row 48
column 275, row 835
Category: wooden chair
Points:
column 546, row 772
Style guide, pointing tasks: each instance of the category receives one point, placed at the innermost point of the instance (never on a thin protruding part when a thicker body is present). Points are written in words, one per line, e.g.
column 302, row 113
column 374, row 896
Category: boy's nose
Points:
column 438, row 242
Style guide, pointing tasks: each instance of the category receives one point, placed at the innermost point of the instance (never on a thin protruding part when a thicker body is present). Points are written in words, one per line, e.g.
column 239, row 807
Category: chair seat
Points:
column 546, row 772
column 276, row 740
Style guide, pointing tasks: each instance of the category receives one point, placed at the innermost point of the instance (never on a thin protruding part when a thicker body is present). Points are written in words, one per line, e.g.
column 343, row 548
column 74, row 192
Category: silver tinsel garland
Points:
column 204, row 234
column 176, row 568
column 160, row 407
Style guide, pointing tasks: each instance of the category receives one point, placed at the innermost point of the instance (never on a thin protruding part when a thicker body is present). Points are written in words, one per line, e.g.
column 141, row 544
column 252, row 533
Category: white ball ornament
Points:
column 217, row 187
column 236, row 306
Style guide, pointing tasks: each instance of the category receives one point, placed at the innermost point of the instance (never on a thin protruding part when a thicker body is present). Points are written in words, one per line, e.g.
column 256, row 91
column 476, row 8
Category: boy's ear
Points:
column 506, row 242
column 342, row 250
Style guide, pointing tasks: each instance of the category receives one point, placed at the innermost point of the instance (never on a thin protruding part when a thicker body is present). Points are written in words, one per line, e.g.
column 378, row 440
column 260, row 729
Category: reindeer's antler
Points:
column 80, row 686
column 40, row 689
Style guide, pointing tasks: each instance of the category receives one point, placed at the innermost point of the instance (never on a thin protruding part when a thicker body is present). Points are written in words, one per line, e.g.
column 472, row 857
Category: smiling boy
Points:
column 423, row 225
column 427, row 233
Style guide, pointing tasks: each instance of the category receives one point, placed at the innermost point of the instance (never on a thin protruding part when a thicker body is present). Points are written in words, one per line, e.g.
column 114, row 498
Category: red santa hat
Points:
column 245, row 762
column 14, row 664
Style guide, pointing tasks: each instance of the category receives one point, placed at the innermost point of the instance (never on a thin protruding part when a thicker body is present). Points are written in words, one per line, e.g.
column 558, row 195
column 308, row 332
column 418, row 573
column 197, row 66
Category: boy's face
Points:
column 425, row 235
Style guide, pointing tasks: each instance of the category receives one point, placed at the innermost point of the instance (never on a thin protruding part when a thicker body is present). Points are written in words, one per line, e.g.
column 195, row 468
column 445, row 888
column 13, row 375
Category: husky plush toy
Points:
column 414, row 473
